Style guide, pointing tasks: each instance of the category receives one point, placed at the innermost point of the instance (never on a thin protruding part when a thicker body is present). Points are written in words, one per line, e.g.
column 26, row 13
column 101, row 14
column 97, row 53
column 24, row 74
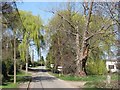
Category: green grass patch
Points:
column 20, row 78
column 103, row 84
column 23, row 73
column 86, row 78
column 9, row 85
column 93, row 82
column 114, row 76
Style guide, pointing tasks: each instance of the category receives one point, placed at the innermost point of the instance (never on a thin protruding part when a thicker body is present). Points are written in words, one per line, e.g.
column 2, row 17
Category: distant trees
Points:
column 42, row 61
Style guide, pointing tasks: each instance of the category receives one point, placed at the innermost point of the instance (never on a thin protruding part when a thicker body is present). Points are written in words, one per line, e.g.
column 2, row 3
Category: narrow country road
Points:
column 42, row 80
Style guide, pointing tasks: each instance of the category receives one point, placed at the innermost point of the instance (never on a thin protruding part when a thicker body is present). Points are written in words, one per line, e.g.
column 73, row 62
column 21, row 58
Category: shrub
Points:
column 4, row 70
column 11, row 69
column 36, row 64
column 8, row 67
column 97, row 67
column 8, row 63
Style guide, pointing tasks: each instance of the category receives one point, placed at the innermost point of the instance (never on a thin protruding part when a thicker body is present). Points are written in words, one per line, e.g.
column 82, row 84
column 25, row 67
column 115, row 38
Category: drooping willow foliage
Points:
column 31, row 33
column 26, row 25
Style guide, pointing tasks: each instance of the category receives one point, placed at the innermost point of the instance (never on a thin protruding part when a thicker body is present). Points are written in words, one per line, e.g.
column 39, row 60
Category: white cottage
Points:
column 112, row 65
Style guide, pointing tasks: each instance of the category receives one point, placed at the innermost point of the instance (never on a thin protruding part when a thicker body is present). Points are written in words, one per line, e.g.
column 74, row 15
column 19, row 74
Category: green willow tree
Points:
column 30, row 33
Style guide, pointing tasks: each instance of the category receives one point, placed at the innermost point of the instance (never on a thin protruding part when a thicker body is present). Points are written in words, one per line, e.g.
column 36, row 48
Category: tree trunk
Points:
column 61, row 55
column 84, row 58
column 40, row 56
column 83, row 54
column 78, row 62
column 14, row 57
column 85, row 44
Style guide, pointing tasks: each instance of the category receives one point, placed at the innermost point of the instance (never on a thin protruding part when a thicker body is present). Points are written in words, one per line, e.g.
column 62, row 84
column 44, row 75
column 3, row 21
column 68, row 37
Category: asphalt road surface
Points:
column 42, row 80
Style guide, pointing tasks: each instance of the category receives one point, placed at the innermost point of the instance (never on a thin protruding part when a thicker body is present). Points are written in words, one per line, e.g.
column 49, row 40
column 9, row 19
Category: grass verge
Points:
column 92, row 81
column 20, row 78
column 86, row 78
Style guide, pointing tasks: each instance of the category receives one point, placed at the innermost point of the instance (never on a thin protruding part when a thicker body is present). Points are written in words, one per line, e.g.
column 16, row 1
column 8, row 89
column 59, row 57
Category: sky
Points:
column 39, row 8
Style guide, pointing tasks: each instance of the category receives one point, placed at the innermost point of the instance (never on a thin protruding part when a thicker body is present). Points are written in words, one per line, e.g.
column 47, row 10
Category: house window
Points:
column 111, row 66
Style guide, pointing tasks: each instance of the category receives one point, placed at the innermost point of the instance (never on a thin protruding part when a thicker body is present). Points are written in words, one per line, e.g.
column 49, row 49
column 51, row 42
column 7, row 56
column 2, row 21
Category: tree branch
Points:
column 66, row 21
column 99, row 32
column 111, row 14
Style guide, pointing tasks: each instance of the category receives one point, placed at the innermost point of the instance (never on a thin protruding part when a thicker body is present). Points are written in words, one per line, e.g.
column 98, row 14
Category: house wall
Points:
column 111, row 63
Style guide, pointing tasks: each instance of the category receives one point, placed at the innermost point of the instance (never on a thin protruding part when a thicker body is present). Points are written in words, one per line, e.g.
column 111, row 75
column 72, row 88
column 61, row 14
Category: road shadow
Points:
column 43, row 78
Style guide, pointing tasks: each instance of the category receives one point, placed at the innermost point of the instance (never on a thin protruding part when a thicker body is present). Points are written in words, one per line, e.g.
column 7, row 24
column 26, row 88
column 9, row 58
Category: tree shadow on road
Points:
column 39, row 77
column 43, row 78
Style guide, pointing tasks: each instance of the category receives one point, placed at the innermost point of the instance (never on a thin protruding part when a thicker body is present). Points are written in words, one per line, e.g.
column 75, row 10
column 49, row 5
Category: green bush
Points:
column 11, row 69
column 4, row 70
column 97, row 67
column 8, row 67
column 8, row 63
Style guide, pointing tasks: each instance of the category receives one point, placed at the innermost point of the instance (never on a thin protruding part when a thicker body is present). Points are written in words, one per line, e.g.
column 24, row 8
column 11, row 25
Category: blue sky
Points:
column 38, row 8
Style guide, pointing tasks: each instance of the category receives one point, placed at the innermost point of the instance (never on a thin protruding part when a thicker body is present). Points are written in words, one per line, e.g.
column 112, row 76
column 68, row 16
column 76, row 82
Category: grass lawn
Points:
column 92, row 81
column 21, row 77
column 9, row 85
column 86, row 78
